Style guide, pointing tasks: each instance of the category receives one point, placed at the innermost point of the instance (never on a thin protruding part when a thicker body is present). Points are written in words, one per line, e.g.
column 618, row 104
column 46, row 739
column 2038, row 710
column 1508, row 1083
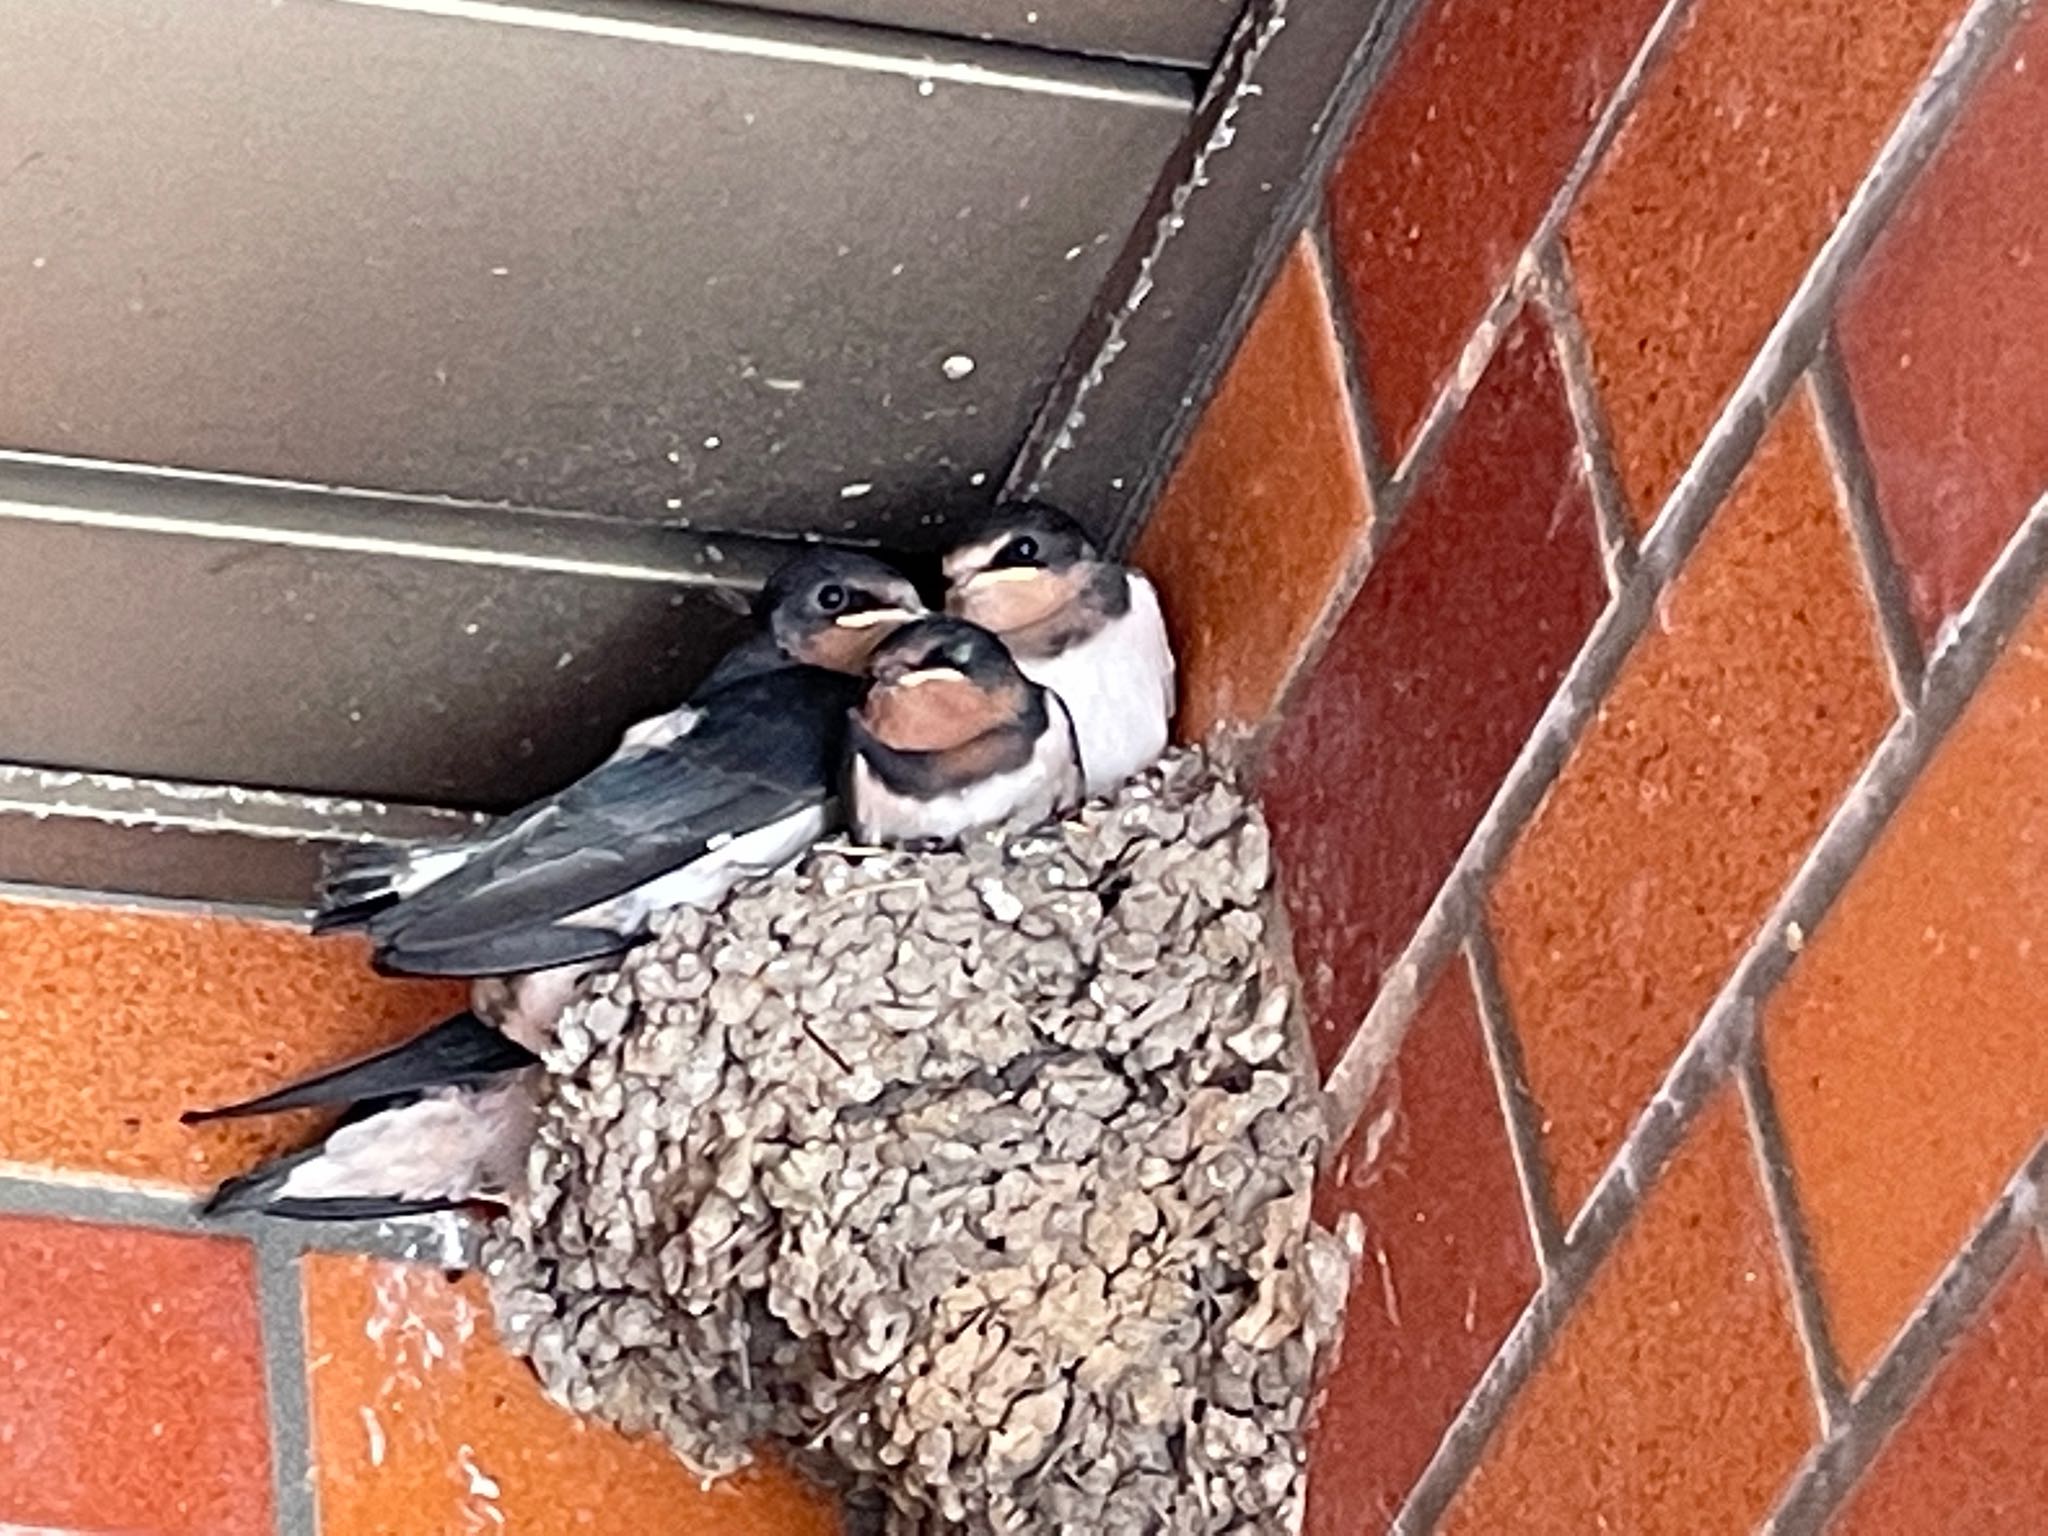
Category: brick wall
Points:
column 1624, row 522
column 156, row 1377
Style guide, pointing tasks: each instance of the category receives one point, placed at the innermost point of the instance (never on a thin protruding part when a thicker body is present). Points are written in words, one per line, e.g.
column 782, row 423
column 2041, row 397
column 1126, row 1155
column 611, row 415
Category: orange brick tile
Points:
column 1726, row 178
column 1908, row 1049
column 1728, row 739
column 131, row 1383
column 424, row 1425
column 1968, row 1458
column 1674, row 1399
column 1263, row 511
column 113, row 1022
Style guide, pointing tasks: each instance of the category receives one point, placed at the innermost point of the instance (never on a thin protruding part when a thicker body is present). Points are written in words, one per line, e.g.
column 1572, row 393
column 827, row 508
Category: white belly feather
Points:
column 1118, row 685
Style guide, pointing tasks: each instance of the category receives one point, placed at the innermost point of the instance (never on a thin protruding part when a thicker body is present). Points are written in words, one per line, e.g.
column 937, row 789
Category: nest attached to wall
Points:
column 980, row 1180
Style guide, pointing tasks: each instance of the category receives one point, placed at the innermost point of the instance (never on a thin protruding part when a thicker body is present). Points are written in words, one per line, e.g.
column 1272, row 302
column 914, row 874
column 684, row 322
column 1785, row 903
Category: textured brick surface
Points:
column 424, row 1426
column 131, row 1384
column 1729, row 737
column 113, row 1022
column 1263, row 511
column 1460, row 150
column 1945, row 337
column 1432, row 681
column 1968, row 1458
column 1674, row 1397
column 1448, row 1263
column 1744, row 149
column 1908, row 1048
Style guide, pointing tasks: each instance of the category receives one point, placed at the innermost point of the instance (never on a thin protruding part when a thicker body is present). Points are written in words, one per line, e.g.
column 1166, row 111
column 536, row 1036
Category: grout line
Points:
column 1772, row 375
column 449, row 1240
column 1549, row 228
column 1542, row 757
column 1390, row 485
column 1775, row 371
column 103, row 1205
column 1503, row 1379
column 27, row 894
column 1372, row 1044
column 1558, row 291
column 1730, row 1022
column 281, row 1301
column 1517, row 1103
column 1795, row 1247
column 1351, row 353
column 1592, row 1238
column 1834, row 1467
column 1426, row 444
column 1842, row 440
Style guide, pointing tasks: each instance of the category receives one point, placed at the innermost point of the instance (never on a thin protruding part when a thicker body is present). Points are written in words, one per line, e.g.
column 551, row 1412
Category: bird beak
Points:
column 928, row 675
column 996, row 574
column 868, row 618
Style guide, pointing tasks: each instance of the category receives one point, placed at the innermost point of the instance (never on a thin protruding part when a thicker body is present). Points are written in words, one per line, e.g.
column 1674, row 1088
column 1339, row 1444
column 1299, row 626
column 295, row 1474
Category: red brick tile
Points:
column 1456, row 157
column 1709, row 769
column 1264, row 510
column 1968, row 1458
column 1734, row 165
column 1674, row 1398
column 1448, row 1264
column 131, row 1383
column 1432, row 681
column 1908, row 1049
column 424, row 1425
column 113, row 1022
column 1945, row 337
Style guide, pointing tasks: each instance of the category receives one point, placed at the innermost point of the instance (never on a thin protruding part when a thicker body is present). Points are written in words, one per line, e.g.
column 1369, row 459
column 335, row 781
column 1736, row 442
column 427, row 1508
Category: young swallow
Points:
column 951, row 736
column 738, row 780
column 439, row 1121
column 1085, row 627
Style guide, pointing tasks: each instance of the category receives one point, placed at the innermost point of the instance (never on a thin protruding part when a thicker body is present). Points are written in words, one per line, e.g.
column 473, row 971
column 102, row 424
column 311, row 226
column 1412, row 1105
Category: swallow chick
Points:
column 740, row 782
column 1089, row 629
column 740, row 779
column 951, row 736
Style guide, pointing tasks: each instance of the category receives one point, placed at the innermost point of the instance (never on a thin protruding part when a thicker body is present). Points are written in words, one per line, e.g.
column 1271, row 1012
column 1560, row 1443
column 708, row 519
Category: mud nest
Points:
column 979, row 1180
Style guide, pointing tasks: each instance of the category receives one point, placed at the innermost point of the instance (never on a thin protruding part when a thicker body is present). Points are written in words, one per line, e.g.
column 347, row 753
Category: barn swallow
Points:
column 438, row 1121
column 1089, row 629
column 738, row 780
column 951, row 736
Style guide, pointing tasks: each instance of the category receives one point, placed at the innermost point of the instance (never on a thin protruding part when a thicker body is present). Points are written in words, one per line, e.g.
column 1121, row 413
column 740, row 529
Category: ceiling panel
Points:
column 658, row 263
column 340, row 645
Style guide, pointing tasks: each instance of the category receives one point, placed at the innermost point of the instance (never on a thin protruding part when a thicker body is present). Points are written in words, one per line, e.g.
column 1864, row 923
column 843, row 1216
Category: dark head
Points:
column 939, row 683
column 830, row 607
column 1023, row 564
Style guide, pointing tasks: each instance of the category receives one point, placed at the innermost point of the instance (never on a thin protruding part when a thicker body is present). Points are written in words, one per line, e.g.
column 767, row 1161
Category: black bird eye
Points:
column 832, row 597
column 960, row 654
column 1023, row 548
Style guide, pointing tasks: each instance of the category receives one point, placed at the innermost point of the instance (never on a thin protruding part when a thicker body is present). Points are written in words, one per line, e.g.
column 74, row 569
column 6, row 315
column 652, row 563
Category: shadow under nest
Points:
column 980, row 1180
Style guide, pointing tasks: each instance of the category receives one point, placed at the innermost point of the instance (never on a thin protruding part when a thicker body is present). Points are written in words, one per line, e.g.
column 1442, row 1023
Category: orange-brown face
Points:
column 935, row 710
column 1010, row 598
column 845, row 644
